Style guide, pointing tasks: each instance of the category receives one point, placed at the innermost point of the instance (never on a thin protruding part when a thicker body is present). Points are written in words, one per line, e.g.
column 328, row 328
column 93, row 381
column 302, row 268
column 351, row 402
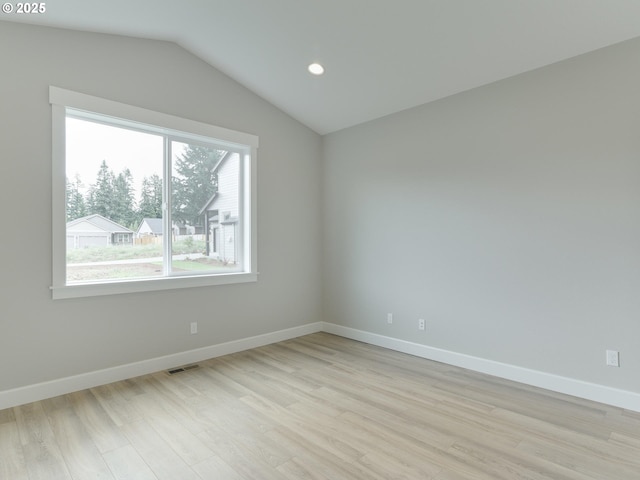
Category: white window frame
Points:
column 62, row 99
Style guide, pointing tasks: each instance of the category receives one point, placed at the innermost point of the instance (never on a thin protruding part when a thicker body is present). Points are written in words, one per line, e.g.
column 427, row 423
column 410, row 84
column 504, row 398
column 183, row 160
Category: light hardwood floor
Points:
column 318, row 407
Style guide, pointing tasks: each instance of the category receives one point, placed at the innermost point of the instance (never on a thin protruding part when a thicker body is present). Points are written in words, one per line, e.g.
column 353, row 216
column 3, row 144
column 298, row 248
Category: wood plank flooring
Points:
column 318, row 407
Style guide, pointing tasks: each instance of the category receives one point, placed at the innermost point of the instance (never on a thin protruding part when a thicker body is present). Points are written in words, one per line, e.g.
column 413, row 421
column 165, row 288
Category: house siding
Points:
column 87, row 239
column 145, row 229
column 226, row 202
column 85, row 234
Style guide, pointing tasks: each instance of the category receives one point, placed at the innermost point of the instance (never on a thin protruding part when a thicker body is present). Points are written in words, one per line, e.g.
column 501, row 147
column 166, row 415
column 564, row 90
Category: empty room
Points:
column 320, row 239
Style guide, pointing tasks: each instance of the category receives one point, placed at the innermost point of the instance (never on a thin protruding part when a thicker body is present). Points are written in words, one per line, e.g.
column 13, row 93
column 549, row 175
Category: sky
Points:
column 88, row 143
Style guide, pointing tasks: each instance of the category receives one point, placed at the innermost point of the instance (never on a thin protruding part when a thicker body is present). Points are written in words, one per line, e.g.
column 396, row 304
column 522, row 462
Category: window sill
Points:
column 149, row 285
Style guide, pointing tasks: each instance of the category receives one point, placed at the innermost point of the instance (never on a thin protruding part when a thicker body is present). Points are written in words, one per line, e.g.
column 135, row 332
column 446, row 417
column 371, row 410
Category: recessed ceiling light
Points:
column 316, row 69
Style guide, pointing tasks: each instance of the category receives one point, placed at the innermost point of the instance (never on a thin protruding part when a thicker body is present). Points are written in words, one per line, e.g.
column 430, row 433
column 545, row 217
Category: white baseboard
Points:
column 556, row 383
column 53, row 388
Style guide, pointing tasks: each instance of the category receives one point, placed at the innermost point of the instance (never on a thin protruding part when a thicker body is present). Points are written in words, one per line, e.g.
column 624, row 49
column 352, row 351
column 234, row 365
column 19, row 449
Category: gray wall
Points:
column 42, row 339
column 507, row 216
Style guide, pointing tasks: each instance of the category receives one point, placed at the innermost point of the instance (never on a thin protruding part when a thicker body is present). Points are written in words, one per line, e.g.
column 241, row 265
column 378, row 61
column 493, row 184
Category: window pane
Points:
column 113, row 202
column 204, row 209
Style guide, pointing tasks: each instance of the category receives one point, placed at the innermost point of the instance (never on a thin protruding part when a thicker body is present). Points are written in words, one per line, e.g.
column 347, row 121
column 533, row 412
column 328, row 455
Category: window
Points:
column 147, row 201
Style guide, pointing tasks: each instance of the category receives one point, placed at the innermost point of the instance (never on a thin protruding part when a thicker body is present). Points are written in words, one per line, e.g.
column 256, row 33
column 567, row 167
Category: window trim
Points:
column 62, row 99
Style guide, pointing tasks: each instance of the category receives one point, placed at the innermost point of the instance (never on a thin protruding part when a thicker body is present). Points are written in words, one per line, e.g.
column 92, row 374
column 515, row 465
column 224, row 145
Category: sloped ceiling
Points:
column 381, row 56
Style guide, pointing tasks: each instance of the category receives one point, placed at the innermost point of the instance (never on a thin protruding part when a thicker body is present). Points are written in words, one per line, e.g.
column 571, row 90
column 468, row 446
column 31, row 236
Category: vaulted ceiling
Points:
column 380, row 56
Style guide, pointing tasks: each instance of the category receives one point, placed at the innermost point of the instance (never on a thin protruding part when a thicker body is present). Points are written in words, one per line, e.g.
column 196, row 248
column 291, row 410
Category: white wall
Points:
column 42, row 339
column 507, row 216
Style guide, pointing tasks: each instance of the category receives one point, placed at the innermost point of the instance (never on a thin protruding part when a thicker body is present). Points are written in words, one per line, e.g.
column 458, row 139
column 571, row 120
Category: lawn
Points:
column 128, row 252
column 79, row 268
column 89, row 273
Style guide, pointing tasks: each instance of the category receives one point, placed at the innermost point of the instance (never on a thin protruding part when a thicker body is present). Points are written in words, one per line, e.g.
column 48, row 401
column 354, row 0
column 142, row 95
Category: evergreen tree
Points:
column 194, row 182
column 101, row 194
column 150, row 205
column 76, row 206
column 90, row 200
column 123, row 199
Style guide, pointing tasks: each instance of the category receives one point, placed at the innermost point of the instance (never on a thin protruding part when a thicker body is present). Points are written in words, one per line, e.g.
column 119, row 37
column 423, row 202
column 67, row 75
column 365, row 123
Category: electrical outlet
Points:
column 194, row 328
column 421, row 324
column 389, row 318
column 613, row 358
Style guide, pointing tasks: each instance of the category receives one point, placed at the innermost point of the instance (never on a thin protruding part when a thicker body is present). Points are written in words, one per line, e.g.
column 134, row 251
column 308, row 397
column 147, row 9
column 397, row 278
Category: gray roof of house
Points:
column 102, row 223
column 155, row 224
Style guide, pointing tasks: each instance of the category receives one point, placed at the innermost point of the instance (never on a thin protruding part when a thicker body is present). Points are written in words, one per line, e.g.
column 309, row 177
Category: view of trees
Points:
column 76, row 203
column 113, row 196
column 150, row 205
column 194, row 182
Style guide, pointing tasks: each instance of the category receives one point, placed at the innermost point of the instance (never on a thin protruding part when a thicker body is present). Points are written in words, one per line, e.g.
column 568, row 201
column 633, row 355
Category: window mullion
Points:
column 166, row 214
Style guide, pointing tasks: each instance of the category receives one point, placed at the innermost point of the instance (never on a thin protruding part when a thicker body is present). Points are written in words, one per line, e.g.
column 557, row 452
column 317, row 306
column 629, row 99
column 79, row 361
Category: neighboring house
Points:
column 150, row 227
column 96, row 231
column 182, row 228
column 221, row 211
